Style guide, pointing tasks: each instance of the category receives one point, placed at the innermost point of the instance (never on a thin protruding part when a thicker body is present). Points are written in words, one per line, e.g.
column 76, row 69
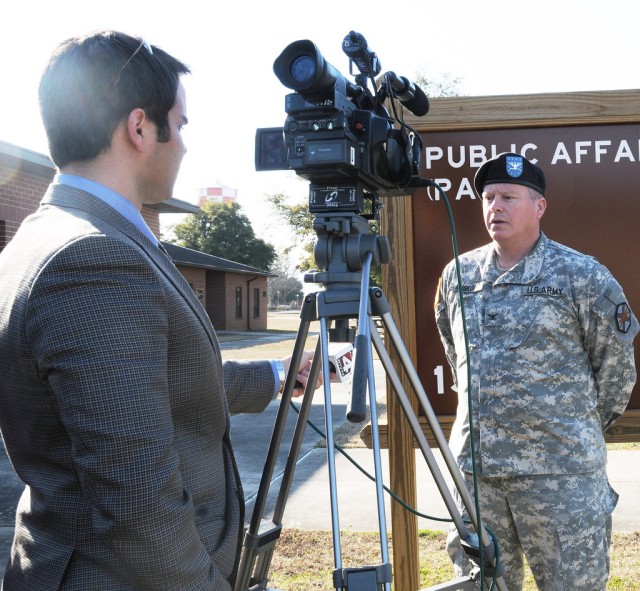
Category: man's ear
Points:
column 542, row 206
column 137, row 128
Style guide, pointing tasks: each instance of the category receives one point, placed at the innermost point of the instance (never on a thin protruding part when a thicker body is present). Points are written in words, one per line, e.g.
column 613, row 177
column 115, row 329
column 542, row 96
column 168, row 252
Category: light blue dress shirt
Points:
column 119, row 202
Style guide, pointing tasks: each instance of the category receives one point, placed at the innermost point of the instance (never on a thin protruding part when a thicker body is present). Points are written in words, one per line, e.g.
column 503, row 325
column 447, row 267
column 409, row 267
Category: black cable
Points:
column 398, row 499
column 369, row 476
column 454, row 239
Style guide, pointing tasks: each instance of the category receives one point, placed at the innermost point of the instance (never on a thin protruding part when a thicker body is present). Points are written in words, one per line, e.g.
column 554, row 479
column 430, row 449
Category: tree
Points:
column 298, row 217
column 446, row 86
column 222, row 230
column 285, row 288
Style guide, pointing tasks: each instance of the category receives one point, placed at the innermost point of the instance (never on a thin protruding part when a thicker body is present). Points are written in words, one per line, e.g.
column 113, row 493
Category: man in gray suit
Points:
column 114, row 401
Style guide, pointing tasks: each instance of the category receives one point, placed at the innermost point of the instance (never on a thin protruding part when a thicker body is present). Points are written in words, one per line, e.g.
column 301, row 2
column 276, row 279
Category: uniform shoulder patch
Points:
column 623, row 317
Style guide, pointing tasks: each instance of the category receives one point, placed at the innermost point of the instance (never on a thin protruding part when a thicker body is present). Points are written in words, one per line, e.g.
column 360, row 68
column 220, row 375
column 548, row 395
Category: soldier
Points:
column 550, row 342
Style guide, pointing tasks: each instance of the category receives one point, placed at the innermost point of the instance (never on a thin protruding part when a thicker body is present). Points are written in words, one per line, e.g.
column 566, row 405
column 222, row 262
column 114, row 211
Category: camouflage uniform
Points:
column 552, row 367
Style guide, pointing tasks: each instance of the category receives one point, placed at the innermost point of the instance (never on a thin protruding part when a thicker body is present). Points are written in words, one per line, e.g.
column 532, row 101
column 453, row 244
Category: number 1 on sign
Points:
column 439, row 373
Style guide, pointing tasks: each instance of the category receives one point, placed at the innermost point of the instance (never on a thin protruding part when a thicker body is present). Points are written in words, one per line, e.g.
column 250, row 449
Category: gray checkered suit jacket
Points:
column 112, row 410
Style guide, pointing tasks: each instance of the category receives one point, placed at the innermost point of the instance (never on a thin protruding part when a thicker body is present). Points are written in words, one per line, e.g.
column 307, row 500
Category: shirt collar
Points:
column 526, row 271
column 119, row 202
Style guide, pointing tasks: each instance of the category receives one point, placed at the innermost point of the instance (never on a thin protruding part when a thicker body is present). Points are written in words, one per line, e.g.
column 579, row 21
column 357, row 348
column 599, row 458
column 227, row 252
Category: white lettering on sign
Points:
column 464, row 189
column 433, row 193
column 432, row 153
column 594, row 152
column 584, row 151
column 561, row 153
column 577, row 152
column 624, row 151
column 474, row 155
column 477, row 155
column 439, row 373
column 600, row 149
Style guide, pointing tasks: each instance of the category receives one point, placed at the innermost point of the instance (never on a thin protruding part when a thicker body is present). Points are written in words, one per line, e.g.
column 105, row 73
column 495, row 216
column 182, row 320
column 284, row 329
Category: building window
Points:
column 198, row 291
column 256, row 303
column 238, row 302
column 3, row 235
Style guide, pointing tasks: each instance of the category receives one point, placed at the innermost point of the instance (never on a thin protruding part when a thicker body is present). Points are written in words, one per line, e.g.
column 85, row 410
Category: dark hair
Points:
column 92, row 83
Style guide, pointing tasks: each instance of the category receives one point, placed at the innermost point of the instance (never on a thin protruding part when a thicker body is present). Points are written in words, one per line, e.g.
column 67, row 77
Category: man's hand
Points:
column 303, row 373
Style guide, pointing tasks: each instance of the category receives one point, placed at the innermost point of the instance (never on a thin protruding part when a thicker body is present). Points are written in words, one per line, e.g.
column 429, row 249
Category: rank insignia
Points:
column 623, row 317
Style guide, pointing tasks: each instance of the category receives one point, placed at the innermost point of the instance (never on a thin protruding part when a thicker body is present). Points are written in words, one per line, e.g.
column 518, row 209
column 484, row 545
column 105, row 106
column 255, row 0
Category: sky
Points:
column 494, row 47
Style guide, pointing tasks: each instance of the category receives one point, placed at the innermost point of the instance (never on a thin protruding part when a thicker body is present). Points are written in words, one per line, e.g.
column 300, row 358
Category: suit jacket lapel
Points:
column 89, row 205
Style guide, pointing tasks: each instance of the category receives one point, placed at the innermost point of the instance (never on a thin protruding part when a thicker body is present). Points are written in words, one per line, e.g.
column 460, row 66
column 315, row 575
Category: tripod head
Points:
column 342, row 227
column 344, row 238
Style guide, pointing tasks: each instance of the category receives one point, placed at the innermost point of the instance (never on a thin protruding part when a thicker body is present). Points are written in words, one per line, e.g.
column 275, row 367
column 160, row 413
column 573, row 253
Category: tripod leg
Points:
column 381, row 306
column 259, row 549
column 261, row 537
column 296, row 441
column 382, row 520
column 414, row 423
column 278, row 430
column 331, row 464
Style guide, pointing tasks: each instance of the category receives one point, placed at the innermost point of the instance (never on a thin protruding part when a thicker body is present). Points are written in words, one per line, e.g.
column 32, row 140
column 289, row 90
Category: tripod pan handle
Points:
column 357, row 407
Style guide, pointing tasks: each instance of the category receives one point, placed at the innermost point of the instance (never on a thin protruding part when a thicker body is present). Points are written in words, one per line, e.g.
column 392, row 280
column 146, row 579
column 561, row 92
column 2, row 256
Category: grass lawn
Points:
column 304, row 559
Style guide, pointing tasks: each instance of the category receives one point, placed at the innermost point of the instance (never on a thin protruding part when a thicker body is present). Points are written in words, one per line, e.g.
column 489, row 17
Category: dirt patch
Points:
column 347, row 435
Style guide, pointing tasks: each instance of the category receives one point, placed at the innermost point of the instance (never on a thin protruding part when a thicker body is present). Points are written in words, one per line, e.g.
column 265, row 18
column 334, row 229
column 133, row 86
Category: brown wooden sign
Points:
column 593, row 178
column 588, row 145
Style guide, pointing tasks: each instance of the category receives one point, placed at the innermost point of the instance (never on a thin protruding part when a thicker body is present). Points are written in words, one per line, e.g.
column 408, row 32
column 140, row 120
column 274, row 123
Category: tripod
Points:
column 347, row 251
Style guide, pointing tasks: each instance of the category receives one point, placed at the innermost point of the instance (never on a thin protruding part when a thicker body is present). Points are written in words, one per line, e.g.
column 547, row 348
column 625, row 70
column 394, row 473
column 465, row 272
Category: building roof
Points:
column 26, row 160
column 173, row 205
column 41, row 165
column 193, row 258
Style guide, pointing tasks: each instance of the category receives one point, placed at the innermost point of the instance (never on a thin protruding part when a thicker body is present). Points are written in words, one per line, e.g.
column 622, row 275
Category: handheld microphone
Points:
column 340, row 361
column 409, row 94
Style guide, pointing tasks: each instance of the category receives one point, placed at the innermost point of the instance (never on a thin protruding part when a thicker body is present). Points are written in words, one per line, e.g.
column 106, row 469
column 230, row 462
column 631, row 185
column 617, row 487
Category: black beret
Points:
column 509, row 167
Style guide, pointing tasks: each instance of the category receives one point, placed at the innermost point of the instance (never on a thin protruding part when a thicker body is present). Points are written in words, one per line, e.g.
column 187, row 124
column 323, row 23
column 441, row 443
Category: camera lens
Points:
column 303, row 68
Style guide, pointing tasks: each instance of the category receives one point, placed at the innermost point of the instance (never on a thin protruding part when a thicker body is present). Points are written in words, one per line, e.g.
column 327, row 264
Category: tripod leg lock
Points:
column 364, row 578
column 491, row 567
column 268, row 533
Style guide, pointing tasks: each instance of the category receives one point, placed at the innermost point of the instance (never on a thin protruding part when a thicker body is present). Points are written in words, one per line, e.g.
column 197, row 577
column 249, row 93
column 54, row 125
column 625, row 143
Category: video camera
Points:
column 338, row 134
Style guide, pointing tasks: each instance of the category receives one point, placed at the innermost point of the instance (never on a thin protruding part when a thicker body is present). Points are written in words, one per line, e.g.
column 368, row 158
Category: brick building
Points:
column 234, row 295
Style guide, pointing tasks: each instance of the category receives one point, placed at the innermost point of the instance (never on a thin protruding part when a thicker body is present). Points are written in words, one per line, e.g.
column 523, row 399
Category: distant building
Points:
column 219, row 194
column 234, row 295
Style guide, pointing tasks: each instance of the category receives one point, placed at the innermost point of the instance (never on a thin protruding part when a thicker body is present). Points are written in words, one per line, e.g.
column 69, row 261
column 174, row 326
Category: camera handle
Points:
column 340, row 301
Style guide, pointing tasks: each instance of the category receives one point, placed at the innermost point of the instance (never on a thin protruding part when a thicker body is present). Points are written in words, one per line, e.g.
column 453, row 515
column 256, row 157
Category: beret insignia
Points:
column 514, row 166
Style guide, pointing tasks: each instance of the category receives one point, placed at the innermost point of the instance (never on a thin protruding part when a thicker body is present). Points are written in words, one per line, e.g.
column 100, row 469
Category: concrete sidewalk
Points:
column 307, row 505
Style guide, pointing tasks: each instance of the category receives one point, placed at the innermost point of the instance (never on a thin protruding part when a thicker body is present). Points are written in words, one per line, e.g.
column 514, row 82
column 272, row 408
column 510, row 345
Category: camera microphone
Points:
column 408, row 93
column 355, row 46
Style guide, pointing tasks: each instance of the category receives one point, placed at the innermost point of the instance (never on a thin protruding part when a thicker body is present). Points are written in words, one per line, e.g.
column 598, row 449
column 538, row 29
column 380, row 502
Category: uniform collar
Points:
column 526, row 271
